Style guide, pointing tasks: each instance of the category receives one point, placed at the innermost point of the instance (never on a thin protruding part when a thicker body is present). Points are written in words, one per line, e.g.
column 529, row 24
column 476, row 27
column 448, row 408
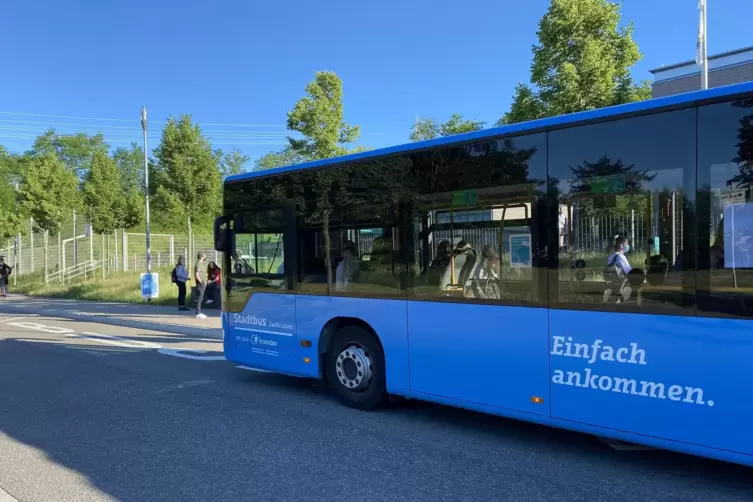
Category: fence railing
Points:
column 75, row 249
column 85, row 270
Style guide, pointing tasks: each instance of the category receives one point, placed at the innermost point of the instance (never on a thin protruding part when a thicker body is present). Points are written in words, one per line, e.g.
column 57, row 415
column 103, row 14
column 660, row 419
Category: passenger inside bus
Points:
column 440, row 263
column 347, row 269
column 485, row 283
column 465, row 262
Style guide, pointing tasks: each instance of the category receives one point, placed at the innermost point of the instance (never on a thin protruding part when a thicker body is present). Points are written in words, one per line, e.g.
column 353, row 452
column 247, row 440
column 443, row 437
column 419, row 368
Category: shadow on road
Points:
column 190, row 445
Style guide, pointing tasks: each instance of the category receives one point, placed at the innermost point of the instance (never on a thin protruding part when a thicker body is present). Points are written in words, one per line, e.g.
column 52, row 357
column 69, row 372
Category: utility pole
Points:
column 144, row 126
column 701, row 57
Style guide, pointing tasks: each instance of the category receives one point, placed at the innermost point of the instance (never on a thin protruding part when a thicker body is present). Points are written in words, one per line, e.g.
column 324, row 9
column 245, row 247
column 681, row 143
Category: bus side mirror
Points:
column 222, row 234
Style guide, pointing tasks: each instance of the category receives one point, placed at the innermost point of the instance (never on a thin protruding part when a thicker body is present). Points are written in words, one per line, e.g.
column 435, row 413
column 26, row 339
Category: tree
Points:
column 48, row 192
column 456, row 124
column 75, row 150
column 187, row 175
column 582, row 62
column 130, row 163
column 232, row 163
column 11, row 223
column 319, row 118
column 424, row 129
column 103, row 197
column 428, row 128
column 285, row 157
column 744, row 157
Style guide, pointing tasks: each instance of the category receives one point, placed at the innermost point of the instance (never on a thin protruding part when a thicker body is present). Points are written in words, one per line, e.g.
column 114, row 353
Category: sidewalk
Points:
column 131, row 315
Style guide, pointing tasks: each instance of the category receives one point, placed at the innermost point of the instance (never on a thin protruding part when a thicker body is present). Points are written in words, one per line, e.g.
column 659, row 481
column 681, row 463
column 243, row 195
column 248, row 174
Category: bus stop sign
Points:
column 149, row 285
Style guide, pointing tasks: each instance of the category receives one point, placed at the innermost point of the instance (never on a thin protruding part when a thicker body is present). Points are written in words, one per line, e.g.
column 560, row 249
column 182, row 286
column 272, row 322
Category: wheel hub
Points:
column 354, row 367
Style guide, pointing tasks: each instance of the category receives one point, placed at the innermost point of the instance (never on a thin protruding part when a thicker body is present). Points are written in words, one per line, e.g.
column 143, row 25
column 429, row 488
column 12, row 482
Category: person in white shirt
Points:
column 347, row 268
column 618, row 258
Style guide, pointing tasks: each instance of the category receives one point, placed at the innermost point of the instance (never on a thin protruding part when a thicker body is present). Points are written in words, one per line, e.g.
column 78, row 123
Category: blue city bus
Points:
column 592, row 272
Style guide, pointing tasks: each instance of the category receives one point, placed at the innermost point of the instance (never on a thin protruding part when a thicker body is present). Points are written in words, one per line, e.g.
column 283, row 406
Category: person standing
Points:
column 5, row 271
column 180, row 277
column 200, row 276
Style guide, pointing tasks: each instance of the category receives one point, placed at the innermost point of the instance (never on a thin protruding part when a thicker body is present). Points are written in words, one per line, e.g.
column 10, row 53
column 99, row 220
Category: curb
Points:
column 126, row 323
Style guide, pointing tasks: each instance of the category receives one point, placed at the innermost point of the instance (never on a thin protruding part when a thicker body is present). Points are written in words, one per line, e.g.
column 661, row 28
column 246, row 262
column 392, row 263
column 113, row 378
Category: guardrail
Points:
column 86, row 269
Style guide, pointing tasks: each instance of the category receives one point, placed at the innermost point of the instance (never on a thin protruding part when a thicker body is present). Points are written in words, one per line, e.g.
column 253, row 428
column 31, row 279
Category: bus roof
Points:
column 656, row 104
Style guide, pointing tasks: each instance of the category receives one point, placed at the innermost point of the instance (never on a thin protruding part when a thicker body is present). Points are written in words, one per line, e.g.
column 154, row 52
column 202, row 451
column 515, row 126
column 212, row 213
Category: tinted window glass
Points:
column 625, row 193
column 349, row 232
column 477, row 216
column 725, row 170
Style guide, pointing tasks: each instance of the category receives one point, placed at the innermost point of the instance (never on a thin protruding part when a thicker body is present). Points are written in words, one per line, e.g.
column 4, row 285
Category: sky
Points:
column 238, row 65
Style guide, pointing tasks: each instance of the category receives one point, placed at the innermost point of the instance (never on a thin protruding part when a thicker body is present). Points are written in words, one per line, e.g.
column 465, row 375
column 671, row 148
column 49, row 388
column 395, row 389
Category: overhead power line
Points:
column 134, row 120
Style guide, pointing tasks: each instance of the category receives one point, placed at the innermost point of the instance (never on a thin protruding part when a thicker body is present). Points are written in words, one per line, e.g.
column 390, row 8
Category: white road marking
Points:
column 11, row 319
column 6, row 497
column 55, row 330
column 118, row 341
column 280, row 333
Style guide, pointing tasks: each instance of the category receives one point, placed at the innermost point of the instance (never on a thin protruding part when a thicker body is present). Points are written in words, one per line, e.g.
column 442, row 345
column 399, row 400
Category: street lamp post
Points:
column 146, row 194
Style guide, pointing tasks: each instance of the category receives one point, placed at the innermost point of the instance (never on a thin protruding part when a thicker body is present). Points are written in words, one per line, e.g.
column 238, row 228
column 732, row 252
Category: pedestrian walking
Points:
column 200, row 276
column 179, row 277
column 5, row 271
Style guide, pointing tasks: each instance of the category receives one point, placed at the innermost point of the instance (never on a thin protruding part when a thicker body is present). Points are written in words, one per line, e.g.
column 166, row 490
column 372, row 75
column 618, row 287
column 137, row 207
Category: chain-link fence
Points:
column 75, row 246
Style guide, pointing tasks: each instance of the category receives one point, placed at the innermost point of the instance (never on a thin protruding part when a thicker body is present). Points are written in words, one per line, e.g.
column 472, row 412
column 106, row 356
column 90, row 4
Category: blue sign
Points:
column 150, row 285
column 520, row 250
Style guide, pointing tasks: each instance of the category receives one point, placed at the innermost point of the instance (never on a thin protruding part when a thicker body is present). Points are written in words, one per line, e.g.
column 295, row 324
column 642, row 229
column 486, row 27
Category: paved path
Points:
column 94, row 412
column 132, row 315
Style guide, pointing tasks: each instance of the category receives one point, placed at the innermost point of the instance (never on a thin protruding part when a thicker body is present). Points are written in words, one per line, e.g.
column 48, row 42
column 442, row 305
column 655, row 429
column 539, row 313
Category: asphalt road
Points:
column 114, row 416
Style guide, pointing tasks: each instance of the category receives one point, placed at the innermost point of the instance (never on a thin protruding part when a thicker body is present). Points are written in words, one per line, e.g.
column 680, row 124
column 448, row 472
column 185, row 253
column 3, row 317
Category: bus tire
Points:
column 355, row 368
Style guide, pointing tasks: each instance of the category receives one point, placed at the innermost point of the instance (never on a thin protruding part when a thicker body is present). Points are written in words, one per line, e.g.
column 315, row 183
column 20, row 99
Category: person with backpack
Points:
column 617, row 269
column 5, row 271
column 179, row 277
column 617, row 258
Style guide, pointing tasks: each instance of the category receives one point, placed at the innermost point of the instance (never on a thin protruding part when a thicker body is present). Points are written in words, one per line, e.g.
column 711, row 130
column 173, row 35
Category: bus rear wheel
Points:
column 355, row 368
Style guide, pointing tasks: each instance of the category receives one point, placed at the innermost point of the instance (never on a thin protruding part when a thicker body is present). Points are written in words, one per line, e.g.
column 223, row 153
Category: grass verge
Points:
column 117, row 287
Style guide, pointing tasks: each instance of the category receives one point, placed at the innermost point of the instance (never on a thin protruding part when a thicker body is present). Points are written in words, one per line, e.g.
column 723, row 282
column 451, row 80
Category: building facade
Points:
column 727, row 68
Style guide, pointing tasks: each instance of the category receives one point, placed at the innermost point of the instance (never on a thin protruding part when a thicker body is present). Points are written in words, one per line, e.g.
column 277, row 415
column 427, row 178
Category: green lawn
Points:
column 117, row 287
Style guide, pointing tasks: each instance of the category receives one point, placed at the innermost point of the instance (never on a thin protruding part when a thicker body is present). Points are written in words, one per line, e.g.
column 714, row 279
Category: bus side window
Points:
column 625, row 202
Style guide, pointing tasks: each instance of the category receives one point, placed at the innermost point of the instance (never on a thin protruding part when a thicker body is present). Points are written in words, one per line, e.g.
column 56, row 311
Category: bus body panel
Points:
column 263, row 334
column 386, row 318
column 678, row 378
column 483, row 354
column 656, row 442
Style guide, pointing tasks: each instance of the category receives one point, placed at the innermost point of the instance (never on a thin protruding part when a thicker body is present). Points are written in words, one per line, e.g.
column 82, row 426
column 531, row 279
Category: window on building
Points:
column 625, row 198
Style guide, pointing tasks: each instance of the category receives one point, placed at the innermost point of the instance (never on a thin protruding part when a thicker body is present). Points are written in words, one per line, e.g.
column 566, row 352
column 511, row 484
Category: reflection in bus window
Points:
column 725, row 158
column 477, row 220
column 625, row 192
column 363, row 262
column 258, row 254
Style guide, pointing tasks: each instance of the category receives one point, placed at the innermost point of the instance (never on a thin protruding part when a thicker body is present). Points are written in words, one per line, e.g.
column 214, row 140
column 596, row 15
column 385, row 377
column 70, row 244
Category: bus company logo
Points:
column 249, row 319
column 261, row 341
